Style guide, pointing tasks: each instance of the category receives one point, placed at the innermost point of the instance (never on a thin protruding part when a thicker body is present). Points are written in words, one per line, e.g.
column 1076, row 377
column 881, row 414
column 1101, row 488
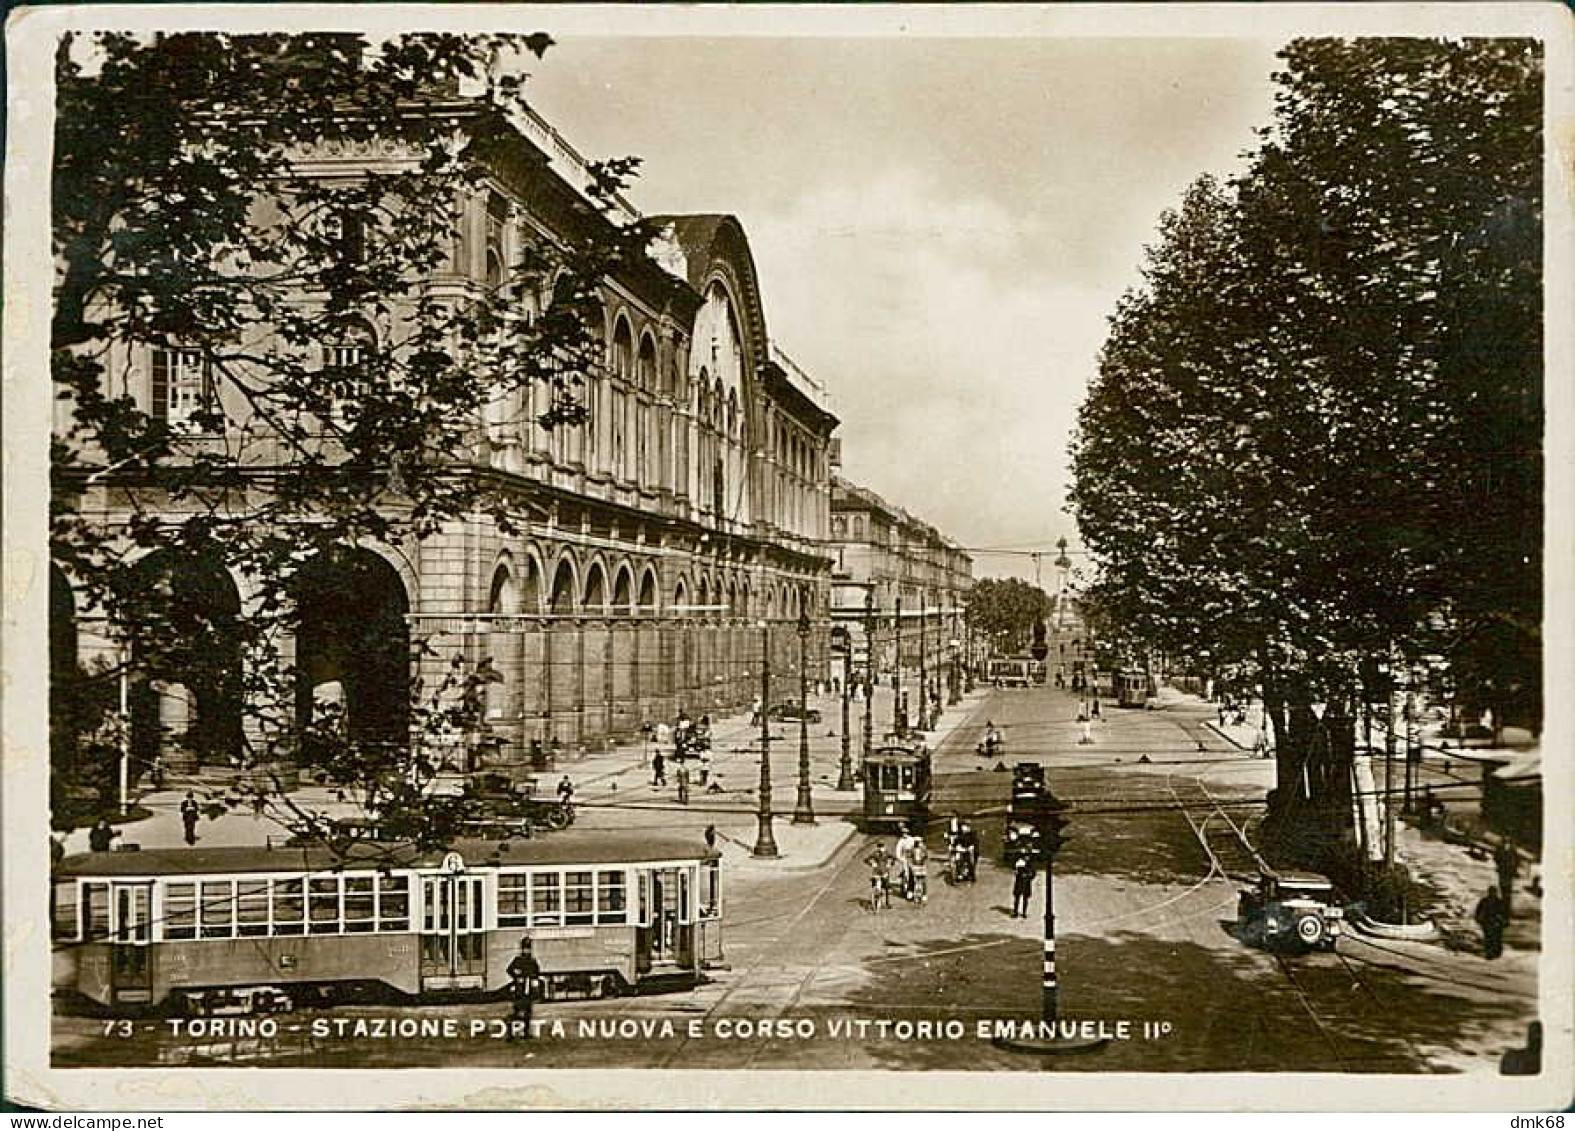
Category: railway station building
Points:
column 653, row 554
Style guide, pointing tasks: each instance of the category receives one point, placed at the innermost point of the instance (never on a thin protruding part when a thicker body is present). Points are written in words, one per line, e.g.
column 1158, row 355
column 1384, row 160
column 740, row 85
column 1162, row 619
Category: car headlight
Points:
column 1272, row 923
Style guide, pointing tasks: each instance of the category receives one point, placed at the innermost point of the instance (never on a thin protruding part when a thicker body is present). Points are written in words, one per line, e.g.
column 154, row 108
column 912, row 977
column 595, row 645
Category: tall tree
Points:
column 1288, row 429
column 1005, row 610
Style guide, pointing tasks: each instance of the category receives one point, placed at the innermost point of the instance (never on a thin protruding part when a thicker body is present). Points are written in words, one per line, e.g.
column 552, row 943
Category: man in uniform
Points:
column 190, row 812
column 524, row 971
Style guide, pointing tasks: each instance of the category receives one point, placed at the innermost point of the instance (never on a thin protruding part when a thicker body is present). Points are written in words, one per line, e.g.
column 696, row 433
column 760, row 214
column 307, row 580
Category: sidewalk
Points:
column 614, row 789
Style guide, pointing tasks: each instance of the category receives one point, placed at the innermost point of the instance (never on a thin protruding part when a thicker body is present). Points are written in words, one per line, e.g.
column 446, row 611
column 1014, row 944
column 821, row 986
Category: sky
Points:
column 941, row 226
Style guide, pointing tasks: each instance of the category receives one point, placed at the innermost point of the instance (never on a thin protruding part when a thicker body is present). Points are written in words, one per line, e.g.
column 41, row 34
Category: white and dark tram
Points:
column 211, row 929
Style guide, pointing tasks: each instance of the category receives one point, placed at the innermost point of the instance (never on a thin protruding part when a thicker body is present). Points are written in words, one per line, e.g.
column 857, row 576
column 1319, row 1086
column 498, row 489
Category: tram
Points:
column 896, row 783
column 222, row 929
column 1004, row 671
column 1131, row 688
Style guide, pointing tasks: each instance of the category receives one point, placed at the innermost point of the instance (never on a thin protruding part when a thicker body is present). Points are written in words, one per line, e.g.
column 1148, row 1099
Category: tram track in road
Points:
column 769, row 949
column 1231, row 855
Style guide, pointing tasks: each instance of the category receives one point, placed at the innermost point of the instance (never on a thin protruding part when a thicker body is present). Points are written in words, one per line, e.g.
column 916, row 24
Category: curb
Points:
column 787, row 863
column 1409, row 932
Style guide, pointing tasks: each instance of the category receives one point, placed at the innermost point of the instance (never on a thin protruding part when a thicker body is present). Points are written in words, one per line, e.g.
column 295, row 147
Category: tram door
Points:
column 131, row 968
column 453, row 933
column 666, row 934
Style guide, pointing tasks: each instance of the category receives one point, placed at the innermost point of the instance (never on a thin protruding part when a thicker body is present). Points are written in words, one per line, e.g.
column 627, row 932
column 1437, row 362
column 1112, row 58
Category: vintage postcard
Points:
column 798, row 557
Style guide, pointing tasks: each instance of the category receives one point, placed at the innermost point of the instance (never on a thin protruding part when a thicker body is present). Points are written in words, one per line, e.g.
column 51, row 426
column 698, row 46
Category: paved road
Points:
column 817, row 980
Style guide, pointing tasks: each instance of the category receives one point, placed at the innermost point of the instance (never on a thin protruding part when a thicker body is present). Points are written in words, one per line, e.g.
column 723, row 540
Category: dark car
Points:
column 1294, row 910
column 514, row 805
column 793, row 711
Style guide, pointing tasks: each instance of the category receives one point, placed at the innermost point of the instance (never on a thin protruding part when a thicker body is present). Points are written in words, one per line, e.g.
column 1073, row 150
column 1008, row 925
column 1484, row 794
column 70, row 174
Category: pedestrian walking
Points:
column 754, row 712
column 524, row 972
column 710, row 837
column 1093, row 710
column 190, row 813
column 1086, row 728
column 1492, row 916
column 1022, row 886
column 1507, row 861
column 658, row 770
column 100, row 835
column 705, row 765
column 880, row 862
column 156, row 772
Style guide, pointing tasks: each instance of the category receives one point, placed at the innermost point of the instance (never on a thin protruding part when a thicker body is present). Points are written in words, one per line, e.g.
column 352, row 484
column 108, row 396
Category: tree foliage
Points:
column 278, row 215
column 1314, row 438
column 1005, row 611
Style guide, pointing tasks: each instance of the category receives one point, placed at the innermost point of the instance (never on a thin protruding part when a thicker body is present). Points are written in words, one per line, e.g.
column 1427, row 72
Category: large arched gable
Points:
column 716, row 253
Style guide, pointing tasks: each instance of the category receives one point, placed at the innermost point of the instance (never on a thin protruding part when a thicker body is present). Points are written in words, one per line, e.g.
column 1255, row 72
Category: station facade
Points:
column 655, row 554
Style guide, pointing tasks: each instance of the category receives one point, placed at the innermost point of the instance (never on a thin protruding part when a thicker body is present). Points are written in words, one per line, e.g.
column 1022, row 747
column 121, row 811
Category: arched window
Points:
column 623, row 349
column 348, row 361
column 645, row 369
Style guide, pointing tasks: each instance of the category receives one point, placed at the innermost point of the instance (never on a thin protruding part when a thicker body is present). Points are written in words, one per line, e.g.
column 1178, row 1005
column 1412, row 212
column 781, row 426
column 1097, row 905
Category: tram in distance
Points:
column 1013, row 671
column 234, row 929
column 896, row 783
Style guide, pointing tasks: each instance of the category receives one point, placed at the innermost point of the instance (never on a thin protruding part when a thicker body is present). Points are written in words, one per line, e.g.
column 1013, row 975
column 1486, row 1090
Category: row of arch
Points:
column 519, row 585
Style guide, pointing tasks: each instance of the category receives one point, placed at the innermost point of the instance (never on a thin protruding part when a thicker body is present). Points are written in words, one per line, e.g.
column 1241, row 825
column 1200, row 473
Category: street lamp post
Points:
column 954, row 680
column 972, row 659
column 765, row 842
column 869, row 670
column 845, row 771
column 896, row 672
column 804, row 809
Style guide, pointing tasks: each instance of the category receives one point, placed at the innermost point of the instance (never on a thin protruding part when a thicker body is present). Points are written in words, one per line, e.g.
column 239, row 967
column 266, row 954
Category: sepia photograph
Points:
column 787, row 557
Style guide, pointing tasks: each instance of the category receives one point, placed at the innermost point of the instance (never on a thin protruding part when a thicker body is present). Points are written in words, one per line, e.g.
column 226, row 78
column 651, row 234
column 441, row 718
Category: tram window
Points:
column 68, row 921
column 217, row 909
column 289, row 907
column 393, row 903
column 251, row 907
column 96, row 909
column 513, row 903
column 907, row 777
column 546, row 900
column 324, row 906
column 180, row 911
column 360, row 905
column 577, row 904
column 612, row 905
column 710, row 889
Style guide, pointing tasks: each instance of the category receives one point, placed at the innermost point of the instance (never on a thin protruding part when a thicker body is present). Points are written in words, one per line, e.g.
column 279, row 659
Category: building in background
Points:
column 889, row 564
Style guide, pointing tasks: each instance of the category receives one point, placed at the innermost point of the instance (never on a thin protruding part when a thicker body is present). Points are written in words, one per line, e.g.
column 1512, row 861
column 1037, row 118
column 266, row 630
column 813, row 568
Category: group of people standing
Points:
column 688, row 739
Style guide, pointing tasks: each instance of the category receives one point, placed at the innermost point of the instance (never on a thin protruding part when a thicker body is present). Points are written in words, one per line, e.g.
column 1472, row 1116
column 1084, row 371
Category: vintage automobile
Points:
column 792, row 711
column 514, row 806
column 1296, row 910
